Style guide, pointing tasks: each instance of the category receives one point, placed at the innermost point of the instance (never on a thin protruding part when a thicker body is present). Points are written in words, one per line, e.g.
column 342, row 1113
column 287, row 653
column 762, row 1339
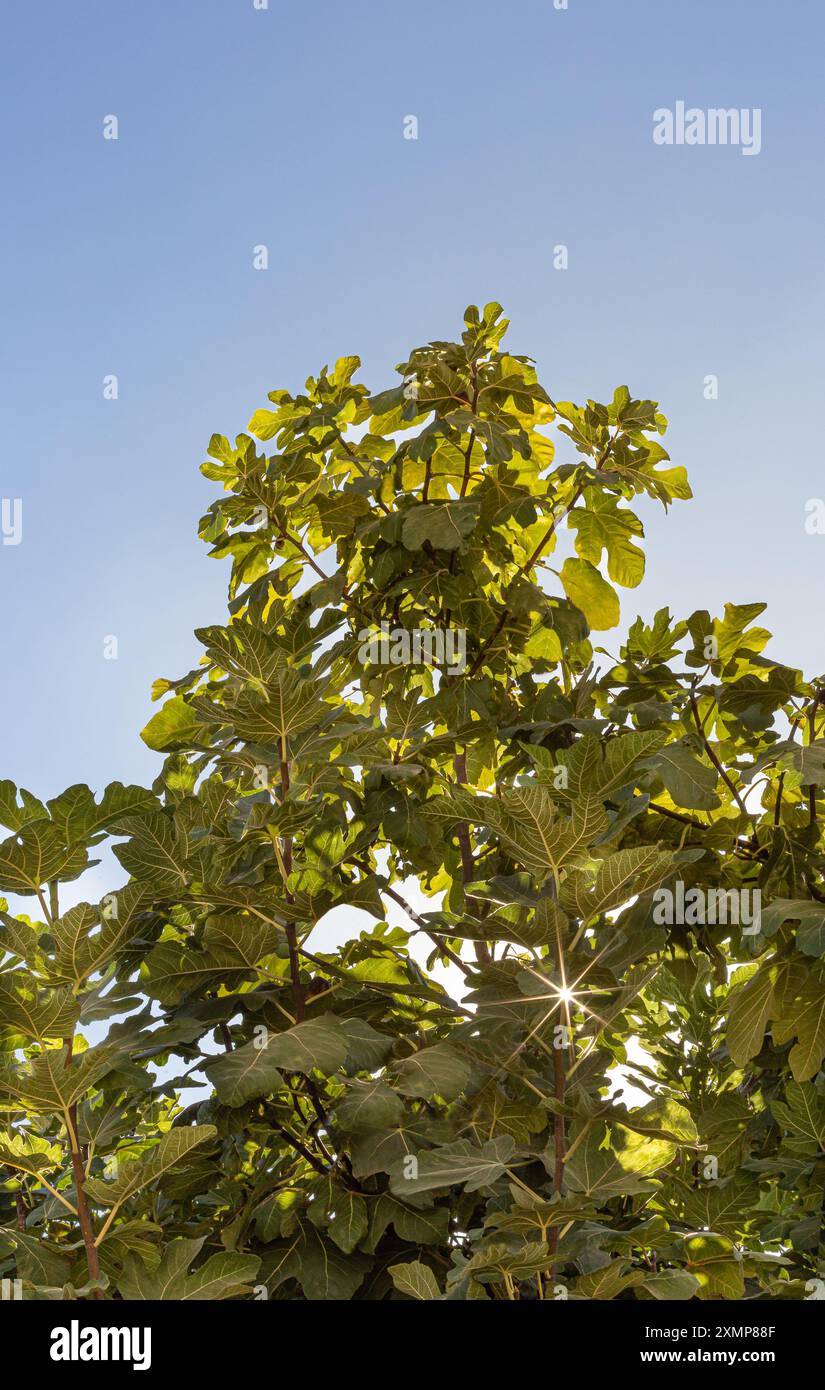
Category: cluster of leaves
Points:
column 366, row 1132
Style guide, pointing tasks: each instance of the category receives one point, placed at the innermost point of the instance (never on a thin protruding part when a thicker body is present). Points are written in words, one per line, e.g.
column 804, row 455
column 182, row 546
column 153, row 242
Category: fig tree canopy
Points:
column 588, row 1065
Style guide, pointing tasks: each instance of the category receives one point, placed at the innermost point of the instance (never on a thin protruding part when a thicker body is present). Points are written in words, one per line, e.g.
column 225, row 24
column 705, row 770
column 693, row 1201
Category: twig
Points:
column 422, row 926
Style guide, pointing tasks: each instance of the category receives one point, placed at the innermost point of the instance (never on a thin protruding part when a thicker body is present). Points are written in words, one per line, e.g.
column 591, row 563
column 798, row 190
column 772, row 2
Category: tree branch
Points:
column 291, row 931
column 716, row 763
column 481, row 948
column 422, row 926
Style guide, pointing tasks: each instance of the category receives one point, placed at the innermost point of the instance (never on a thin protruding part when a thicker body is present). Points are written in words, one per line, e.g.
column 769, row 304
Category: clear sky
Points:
column 240, row 127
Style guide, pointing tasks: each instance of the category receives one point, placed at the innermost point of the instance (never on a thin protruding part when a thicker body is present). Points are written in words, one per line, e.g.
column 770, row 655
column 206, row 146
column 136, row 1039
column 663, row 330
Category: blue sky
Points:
column 284, row 126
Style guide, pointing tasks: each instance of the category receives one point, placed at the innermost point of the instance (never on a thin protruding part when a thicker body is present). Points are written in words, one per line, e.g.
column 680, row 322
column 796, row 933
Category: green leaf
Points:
column 473, row 1166
column 133, row 1175
column 87, row 938
column 254, row 1070
column 670, row 1286
column 528, row 822
column 444, row 525
column 175, row 726
column 493, row 1262
column 610, row 529
column 689, row 783
column 49, row 1085
column 437, row 1070
column 384, row 1150
column 585, row 587
column 322, row 1270
column 350, row 1222
column 415, row 1280
column 40, row 1262
column 607, row 1282
column 40, row 1014
column 29, row 1153
column 15, row 816
column 425, row 1227
column 614, row 1162
column 621, row 876
column 264, row 424
column 713, row 1261
column 598, row 769
column 288, row 705
column 226, row 1275
column 751, row 1007
column 803, row 1115
column 78, row 817
column 230, row 946
column 156, row 851
column 804, row 1019
column 36, row 855
column 810, row 935
column 721, row 1206
column 664, row 1118
column 368, row 1105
